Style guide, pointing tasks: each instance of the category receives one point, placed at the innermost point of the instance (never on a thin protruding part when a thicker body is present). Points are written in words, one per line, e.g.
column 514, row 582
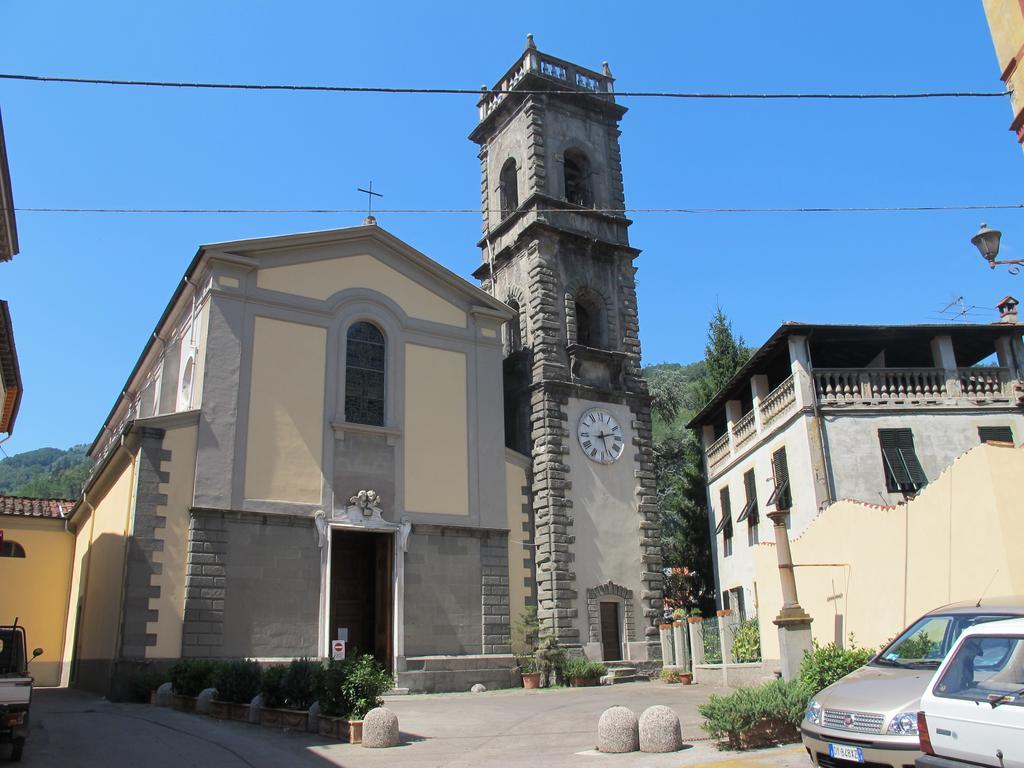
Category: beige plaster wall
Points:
column 286, row 412
column 34, row 589
column 1006, row 23
column 516, row 499
column 872, row 570
column 80, row 551
column 436, row 433
column 102, row 564
column 181, row 442
column 322, row 279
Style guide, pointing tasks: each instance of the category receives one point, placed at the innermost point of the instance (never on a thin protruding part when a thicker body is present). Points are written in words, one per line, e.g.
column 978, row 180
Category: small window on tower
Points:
column 514, row 330
column 584, row 325
column 577, row 179
column 508, row 189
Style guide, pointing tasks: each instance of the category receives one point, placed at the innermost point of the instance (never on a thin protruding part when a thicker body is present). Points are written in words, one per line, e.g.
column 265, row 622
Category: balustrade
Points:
column 718, row 451
column 744, row 429
column 778, row 401
column 985, row 383
column 564, row 72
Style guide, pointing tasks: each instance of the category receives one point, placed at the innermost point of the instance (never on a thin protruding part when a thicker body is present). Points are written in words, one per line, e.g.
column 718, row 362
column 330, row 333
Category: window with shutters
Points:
column 782, row 495
column 364, row 375
column 995, row 434
column 725, row 523
column 749, row 511
column 903, row 472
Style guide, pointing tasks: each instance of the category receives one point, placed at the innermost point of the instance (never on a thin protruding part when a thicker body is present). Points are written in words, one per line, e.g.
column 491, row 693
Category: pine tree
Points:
column 724, row 354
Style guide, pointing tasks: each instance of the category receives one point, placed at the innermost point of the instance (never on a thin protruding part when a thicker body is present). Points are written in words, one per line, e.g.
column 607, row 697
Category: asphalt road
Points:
column 554, row 728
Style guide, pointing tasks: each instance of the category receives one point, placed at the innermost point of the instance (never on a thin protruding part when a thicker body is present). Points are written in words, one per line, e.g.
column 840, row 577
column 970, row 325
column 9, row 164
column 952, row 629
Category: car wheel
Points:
column 16, row 747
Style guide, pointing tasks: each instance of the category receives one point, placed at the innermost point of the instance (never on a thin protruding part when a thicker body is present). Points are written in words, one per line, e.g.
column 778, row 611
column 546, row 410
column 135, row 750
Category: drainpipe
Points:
column 825, row 464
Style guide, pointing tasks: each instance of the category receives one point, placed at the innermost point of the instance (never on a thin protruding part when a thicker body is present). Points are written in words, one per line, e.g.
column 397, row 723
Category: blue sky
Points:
column 87, row 289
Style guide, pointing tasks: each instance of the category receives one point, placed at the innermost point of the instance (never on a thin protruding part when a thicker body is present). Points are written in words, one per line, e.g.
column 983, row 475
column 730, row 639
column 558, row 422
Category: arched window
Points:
column 508, row 188
column 584, row 327
column 364, row 375
column 514, row 329
column 577, row 178
column 588, row 308
column 11, row 549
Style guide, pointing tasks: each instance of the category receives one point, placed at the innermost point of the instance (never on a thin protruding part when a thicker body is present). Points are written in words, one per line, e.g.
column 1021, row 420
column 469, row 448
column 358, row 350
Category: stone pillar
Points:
column 733, row 413
column 800, row 362
column 726, row 636
column 944, row 357
column 758, row 390
column 696, row 644
column 1010, row 355
column 665, row 631
column 793, row 623
column 679, row 644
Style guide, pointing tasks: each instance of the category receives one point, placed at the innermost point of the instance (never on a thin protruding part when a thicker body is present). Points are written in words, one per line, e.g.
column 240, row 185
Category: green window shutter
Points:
column 725, row 524
column 782, row 496
column 749, row 512
column 903, row 470
column 995, row 434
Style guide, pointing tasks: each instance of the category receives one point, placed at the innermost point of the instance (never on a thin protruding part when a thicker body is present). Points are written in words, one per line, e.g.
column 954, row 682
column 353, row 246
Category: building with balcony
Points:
column 871, row 413
column 10, row 374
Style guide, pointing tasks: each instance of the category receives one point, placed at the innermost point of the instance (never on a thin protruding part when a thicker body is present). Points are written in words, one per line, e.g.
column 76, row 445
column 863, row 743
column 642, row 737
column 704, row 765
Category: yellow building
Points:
column 958, row 539
column 1006, row 22
column 35, row 574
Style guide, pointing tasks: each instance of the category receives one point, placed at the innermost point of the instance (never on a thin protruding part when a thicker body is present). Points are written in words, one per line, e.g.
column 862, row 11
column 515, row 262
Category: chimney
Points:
column 1008, row 310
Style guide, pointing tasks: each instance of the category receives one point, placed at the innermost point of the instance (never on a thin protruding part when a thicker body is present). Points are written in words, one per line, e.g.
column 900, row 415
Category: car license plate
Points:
column 844, row 752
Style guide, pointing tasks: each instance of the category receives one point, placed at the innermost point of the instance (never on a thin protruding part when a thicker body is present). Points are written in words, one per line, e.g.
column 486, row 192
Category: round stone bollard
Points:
column 163, row 695
column 313, row 717
column 618, row 731
column 203, row 700
column 254, row 708
column 660, row 730
column 478, row 688
column 380, row 728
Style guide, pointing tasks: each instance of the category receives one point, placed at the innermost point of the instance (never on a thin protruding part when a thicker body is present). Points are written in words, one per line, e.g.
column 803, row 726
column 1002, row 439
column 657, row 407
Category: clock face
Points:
column 600, row 436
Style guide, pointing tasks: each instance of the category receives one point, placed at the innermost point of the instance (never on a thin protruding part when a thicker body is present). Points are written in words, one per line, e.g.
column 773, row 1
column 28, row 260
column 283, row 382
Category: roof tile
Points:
column 22, row 506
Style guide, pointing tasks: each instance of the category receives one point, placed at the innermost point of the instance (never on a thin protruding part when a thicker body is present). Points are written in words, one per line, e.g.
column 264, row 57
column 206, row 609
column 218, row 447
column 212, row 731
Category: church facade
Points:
column 308, row 450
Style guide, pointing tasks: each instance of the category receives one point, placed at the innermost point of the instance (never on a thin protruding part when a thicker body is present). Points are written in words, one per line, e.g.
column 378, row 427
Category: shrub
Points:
column 146, row 680
column 737, row 713
column 527, row 664
column 583, row 668
column 238, row 681
column 190, row 676
column 746, row 646
column 300, row 682
column 525, row 632
column 549, row 659
column 273, row 686
column 826, row 664
column 352, row 687
column 669, row 675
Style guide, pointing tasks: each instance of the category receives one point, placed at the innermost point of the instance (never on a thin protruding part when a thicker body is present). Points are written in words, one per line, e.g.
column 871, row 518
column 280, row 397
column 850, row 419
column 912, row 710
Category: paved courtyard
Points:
column 552, row 728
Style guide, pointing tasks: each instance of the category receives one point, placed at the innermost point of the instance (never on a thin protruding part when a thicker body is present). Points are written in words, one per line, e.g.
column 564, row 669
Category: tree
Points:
column 678, row 461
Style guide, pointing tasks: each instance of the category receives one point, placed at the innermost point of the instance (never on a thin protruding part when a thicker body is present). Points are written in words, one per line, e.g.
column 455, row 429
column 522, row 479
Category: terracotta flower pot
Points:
column 531, row 679
column 686, row 678
column 183, row 703
column 284, row 718
column 583, row 682
column 341, row 729
column 353, row 730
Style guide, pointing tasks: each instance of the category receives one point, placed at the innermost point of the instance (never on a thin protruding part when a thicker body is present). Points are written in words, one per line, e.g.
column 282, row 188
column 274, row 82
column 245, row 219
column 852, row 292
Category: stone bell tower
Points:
column 556, row 249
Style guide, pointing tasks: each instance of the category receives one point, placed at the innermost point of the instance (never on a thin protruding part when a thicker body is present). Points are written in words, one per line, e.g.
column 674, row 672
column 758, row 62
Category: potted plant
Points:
column 288, row 693
column 237, row 683
column 188, row 678
column 673, row 675
column 528, row 669
column 348, row 690
column 581, row 671
column 549, row 660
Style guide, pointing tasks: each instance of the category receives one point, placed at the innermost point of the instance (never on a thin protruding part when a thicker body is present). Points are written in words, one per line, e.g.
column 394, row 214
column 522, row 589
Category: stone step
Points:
column 460, row 663
column 619, row 673
column 449, row 681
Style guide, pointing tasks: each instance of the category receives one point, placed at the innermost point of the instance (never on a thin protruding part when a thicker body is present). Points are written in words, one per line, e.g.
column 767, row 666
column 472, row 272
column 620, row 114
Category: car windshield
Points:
column 926, row 642
column 986, row 668
column 12, row 651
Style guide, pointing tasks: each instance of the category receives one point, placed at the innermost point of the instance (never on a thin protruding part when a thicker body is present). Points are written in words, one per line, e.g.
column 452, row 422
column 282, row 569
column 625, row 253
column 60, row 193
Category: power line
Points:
column 613, row 211
column 498, row 91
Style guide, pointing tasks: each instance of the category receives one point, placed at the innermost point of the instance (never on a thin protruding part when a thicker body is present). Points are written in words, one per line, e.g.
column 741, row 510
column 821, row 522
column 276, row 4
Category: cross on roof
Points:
column 370, row 194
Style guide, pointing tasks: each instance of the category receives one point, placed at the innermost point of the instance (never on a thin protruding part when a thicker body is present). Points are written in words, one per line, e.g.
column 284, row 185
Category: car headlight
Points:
column 813, row 713
column 904, row 724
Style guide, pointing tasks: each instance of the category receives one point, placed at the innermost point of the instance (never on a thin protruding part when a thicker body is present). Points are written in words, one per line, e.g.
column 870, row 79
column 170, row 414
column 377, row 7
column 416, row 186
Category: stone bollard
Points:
column 203, row 700
column 679, row 645
column 478, row 688
column 380, row 728
column 254, row 708
column 660, row 730
column 313, row 718
column 618, row 731
column 164, row 694
column 665, row 633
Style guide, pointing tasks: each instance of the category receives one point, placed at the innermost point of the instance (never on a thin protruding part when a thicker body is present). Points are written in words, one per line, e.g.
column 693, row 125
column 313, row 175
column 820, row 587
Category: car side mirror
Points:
column 37, row 652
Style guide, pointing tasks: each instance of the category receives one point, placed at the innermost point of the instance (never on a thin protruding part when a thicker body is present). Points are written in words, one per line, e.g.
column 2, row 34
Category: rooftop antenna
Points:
column 957, row 310
column 978, row 604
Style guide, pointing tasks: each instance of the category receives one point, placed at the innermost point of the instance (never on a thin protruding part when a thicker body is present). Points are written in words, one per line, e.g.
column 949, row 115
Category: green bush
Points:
column 273, row 686
column 746, row 646
column 550, row 658
column 238, row 681
column 726, row 717
column 826, row 664
column 190, row 676
column 146, row 680
column 300, row 682
column 353, row 687
column 584, row 668
column 525, row 632
column 527, row 664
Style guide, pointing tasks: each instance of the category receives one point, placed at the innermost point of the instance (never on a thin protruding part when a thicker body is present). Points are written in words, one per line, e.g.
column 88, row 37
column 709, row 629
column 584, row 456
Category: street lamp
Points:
column 987, row 242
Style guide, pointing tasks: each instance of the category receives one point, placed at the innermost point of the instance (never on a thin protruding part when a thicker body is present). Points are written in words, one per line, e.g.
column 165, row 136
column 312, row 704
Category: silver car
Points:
column 870, row 716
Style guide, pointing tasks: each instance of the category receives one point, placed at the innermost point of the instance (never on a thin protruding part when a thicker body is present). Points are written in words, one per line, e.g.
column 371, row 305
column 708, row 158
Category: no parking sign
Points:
column 338, row 650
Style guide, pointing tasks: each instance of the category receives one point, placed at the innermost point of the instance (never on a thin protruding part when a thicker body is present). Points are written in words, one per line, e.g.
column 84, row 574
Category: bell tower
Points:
column 555, row 247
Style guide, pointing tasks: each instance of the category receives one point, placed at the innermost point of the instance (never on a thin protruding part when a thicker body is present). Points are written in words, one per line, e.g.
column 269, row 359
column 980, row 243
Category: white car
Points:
column 972, row 712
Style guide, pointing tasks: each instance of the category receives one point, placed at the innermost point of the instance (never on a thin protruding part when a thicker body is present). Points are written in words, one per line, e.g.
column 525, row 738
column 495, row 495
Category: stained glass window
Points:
column 364, row 375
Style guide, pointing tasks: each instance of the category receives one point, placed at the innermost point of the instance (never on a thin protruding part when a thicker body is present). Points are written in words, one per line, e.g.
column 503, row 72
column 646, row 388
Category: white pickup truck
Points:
column 15, row 688
column 972, row 713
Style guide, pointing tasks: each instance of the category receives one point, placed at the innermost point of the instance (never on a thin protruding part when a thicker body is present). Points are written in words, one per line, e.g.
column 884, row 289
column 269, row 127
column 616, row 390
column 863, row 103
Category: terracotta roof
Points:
column 25, row 507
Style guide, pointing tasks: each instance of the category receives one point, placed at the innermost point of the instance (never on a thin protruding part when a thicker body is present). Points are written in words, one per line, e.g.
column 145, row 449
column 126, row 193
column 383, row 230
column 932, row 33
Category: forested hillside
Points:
column 46, row 473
